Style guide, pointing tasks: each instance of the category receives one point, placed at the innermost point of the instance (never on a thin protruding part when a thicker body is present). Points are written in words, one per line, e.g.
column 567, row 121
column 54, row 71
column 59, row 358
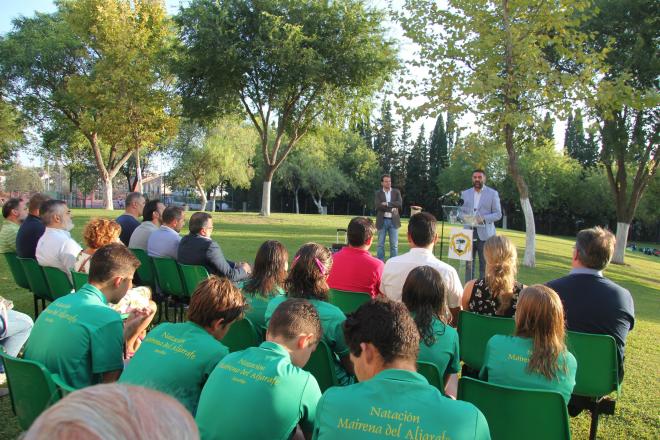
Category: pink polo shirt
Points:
column 355, row 270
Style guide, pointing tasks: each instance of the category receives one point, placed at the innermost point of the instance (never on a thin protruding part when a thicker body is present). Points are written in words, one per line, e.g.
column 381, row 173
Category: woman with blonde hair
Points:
column 536, row 355
column 308, row 279
column 497, row 293
column 97, row 233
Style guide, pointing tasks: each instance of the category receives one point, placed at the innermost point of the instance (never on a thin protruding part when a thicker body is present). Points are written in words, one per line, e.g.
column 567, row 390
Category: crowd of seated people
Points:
column 411, row 318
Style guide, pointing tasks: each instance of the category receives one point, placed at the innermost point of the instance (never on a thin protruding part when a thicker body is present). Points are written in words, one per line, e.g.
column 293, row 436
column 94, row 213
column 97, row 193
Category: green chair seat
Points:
column 145, row 272
column 322, row 366
column 58, row 282
column 63, row 387
column 474, row 332
column 31, row 387
column 192, row 275
column 241, row 335
column 79, row 279
column 169, row 279
column 517, row 413
column 431, row 372
column 17, row 270
column 36, row 278
column 346, row 300
column 597, row 372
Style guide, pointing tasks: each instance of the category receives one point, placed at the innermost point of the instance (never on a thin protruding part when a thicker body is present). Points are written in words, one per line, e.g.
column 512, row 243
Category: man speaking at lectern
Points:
column 483, row 203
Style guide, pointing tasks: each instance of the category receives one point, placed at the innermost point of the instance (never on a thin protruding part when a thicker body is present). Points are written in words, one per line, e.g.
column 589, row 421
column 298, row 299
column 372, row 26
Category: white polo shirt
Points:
column 397, row 269
column 57, row 249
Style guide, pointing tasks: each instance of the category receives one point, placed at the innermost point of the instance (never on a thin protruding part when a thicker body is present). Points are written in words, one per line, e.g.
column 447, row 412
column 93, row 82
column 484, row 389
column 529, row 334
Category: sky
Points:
column 10, row 9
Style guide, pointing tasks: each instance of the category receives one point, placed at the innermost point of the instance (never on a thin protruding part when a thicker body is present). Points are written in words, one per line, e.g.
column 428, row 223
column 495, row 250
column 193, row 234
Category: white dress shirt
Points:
column 388, row 199
column 397, row 269
column 477, row 199
column 57, row 249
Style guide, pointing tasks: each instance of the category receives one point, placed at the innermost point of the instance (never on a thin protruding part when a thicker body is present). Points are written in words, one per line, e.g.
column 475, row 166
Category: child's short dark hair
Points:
column 293, row 317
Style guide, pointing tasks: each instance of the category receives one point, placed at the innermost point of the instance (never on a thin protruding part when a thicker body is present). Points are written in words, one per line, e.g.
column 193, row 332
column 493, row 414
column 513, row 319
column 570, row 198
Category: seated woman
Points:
column 423, row 294
column 97, row 233
column 266, row 281
column 536, row 356
column 308, row 279
column 497, row 294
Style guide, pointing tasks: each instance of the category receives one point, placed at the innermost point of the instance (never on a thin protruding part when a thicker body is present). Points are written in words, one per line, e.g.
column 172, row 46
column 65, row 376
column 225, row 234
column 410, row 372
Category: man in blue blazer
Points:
column 484, row 204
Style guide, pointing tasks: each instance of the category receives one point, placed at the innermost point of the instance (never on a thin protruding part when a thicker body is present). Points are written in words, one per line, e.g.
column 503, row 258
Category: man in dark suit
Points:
column 592, row 303
column 31, row 229
column 388, row 203
column 197, row 248
column 483, row 203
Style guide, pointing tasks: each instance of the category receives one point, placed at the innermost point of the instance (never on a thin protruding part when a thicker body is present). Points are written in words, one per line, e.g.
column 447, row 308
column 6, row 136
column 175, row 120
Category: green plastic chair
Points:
column 474, row 332
column 63, row 387
column 517, row 413
column 21, row 280
column 17, row 270
column 348, row 301
column 37, row 281
column 241, row 335
column 79, row 279
column 322, row 366
column 170, row 283
column 146, row 270
column 597, row 372
column 192, row 275
column 31, row 387
column 58, row 283
column 431, row 372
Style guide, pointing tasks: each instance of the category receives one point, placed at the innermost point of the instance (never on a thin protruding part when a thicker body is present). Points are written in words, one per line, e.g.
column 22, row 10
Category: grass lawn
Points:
column 241, row 234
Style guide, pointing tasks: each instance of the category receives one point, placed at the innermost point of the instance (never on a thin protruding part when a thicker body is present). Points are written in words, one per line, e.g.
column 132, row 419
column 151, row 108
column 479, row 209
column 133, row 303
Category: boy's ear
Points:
column 305, row 340
column 215, row 325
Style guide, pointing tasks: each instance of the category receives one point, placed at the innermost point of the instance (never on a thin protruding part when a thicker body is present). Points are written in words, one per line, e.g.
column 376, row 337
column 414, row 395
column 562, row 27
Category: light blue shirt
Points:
column 163, row 243
column 586, row 271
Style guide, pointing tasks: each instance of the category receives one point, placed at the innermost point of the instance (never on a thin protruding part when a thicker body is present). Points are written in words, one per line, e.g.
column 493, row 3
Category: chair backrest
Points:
column 192, row 275
column 146, row 271
column 36, row 278
column 63, row 387
column 17, row 270
column 347, row 301
column 58, row 283
column 167, row 274
column 322, row 366
column 597, row 365
column 431, row 372
column 79, row 279
column 241, row 335
column 539, row 414
column 31, row 386
column 475, row 330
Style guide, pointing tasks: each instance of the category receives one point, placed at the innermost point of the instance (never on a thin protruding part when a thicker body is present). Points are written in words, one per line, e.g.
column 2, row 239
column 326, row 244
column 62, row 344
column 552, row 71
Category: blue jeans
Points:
column 477, row 251
column 391, row 230
column 18, row 328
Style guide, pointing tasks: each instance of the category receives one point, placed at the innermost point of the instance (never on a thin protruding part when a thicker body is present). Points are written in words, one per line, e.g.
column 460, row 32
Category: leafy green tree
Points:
column 22, row 179
column 98, row 66
column 285, row 62
column 495, row 59
column 627, row 106
column 11, row 132
column 209, row 156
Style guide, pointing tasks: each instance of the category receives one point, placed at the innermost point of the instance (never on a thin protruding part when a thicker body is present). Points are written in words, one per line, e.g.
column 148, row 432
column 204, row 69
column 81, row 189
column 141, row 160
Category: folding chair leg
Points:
column 594, row 422
column 36, row 307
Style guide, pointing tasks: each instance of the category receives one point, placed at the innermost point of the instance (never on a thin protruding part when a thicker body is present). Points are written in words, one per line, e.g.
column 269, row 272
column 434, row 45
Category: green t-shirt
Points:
column 176, row 359
column 79, row 337
column 258, row 304
column 332, row 319
column 444, row 352
column 396, row 404
column 505, row 363
column 8, row 237
column 257, row 393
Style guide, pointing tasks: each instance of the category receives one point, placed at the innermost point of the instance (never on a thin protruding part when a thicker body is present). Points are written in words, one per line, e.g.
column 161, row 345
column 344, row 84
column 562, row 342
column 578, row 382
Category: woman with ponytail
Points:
column 497, row 294
column 536, row 356
column 308, row 279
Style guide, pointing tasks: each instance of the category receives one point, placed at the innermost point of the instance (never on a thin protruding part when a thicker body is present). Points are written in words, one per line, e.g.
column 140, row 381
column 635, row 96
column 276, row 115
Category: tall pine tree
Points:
column 417, row 183
column 438, row 153
column 384, row 144
column 399, row 173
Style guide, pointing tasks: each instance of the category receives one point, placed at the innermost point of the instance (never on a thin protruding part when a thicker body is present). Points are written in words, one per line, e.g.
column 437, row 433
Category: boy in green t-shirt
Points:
column 178, row 358
column 391, row 399
column 263, row 392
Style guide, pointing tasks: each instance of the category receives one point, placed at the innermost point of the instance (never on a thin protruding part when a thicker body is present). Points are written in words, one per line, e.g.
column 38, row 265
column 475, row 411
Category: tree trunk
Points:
column 318, row 203
column 265, row 194
column 202, row 194
column 138, row 171
column 295, row 194
column 621, row 241
column 107, row 193
column 213, row 198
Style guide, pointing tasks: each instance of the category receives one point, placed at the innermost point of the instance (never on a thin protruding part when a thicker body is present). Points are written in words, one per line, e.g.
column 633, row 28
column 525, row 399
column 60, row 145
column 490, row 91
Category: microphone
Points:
column 450, row 193
column 460, row 202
